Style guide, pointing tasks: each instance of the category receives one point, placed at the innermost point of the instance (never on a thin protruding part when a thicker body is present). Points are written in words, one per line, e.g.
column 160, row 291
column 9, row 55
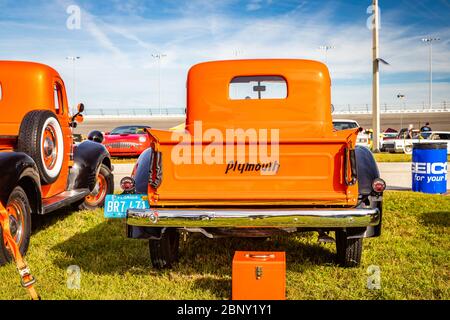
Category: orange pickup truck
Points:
column 41, row 168
column 257, row 156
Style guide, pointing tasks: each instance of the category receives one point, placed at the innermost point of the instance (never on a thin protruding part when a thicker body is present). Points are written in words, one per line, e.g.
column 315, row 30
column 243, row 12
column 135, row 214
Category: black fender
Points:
column 367, row 171
column 87, row 158
column 141, row 171
column 147, row 170
column 19, row 169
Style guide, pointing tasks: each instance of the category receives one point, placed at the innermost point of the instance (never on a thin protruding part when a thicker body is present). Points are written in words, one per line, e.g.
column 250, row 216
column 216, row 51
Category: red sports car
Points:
column 126, row 141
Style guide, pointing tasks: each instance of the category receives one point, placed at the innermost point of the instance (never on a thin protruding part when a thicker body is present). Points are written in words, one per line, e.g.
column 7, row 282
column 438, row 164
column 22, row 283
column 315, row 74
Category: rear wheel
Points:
column 19, row 214
column 408, row 149
column 348, row 250
column 104, row 185
column 164, row 252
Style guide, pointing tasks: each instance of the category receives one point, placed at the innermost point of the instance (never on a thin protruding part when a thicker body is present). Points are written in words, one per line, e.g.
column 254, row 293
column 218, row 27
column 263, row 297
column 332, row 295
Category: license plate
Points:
column 116, row 205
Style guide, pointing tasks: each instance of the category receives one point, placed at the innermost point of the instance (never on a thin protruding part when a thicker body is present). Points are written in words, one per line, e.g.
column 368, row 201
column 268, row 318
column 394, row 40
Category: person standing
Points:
column 425, row 131
column 409, row 133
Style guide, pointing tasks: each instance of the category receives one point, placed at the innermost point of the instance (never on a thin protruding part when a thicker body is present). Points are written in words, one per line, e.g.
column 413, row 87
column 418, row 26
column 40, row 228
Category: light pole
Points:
column 237, row 53
column 401, row 97
column 429, row 41
column 73, row 59
column 326, row 49
column 376, row 78
column 159, row 56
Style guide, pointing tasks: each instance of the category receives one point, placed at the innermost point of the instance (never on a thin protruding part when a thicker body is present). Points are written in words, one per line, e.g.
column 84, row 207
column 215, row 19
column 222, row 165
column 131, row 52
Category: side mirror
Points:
column 78, row 117
column 80, row 107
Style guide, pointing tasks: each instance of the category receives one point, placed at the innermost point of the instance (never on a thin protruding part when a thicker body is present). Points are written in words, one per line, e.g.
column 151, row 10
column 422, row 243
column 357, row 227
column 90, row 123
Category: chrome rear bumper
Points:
column 220, row 218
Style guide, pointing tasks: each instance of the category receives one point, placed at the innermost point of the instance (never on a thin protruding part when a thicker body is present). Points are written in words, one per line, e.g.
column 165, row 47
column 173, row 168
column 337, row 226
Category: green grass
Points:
column 395, row 157
column 413, row 254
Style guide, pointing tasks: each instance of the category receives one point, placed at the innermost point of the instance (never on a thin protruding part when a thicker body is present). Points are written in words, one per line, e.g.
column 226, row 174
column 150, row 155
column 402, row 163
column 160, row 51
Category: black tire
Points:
column 164, row 252
column 408, row 149
column 348, row 250
column 18, row 198
column 108, row 178
column 30, row 141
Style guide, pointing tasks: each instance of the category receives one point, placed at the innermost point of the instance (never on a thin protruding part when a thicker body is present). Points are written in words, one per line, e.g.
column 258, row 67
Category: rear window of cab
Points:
column 257, row 88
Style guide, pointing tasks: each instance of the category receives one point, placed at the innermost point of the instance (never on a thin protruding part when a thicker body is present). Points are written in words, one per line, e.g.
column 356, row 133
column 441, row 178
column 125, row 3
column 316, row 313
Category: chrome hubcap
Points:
column 15, row 227
column 96, row 189
column 49, row 146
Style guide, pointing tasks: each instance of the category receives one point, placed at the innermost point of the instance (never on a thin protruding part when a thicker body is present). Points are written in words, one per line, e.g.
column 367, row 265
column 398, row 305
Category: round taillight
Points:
column 127, row 184
column 378, row 185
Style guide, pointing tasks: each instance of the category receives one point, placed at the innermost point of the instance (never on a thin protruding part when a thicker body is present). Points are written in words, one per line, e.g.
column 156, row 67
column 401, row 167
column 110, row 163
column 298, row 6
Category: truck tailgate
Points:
column 306, row 172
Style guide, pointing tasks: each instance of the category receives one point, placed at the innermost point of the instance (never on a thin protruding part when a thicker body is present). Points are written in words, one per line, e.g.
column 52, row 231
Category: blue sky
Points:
column 117, row 39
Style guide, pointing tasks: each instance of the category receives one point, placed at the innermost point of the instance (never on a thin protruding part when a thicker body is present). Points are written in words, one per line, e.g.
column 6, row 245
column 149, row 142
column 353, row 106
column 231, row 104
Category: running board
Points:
column 63, row 199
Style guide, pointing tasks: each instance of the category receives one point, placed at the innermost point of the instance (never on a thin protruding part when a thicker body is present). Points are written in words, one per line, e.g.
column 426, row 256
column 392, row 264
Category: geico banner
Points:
column 429, row 168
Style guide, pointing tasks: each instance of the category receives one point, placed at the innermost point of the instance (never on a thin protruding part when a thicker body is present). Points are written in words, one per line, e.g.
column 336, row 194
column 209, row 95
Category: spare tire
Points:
column 41, row 137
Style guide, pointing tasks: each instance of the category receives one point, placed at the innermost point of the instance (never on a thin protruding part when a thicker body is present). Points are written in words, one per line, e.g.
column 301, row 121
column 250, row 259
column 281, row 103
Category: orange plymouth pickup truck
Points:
column 257, row 156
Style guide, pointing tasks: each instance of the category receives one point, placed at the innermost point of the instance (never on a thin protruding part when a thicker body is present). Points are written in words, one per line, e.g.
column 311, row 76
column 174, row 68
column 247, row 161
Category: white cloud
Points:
column 101, row 37
column 194, row 39
column 95, row 27
column 254, row 5
column 116, row 69
column 132, row 7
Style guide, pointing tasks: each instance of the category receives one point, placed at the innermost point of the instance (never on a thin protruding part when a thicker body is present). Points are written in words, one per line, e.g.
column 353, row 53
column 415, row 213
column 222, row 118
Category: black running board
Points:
column 63, row 199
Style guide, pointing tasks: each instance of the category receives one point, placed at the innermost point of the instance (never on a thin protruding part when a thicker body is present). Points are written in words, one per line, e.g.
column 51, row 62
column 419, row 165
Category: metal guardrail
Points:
column 339, row 109
column 395, row 111
column 134, row 112
column 387, row 108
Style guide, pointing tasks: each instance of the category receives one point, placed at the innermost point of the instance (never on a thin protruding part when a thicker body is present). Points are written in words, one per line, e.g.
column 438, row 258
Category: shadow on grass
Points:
column 436, row 218
column 41, row 222
column 213, row 254
column 104, row 249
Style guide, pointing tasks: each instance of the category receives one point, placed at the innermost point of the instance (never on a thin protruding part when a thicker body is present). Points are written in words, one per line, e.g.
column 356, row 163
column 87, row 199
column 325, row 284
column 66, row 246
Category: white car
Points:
column 404, row 145
column 363, row 139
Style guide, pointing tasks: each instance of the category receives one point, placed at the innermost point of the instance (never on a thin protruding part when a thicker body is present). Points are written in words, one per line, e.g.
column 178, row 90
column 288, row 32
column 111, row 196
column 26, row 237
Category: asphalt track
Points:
column 106, row 124
column 440, row 121
column 397, row 175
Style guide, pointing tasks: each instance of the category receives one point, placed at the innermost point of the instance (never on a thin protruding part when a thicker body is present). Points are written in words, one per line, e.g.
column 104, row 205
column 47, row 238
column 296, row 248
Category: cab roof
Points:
column 306, row 104
column 24, row 87
column 25, row 68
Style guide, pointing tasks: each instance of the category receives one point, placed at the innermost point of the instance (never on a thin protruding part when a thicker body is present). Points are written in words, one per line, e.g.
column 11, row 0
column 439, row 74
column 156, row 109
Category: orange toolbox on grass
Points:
column 259, row 276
